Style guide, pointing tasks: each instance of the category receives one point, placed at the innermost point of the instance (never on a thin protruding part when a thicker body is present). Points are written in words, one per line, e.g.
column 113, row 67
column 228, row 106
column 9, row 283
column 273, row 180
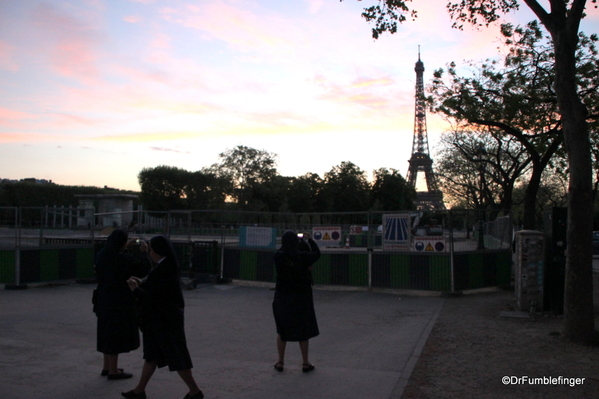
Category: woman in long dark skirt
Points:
column 163, row 320
column 117, row 330
column 293, row 305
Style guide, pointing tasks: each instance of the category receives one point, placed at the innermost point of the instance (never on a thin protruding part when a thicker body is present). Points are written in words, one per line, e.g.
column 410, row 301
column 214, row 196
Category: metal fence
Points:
column 466, row 247
column 463, row 230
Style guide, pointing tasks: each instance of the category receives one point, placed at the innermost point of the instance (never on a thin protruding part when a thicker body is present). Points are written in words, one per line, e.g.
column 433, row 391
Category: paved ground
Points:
column 475, row 352
column 368, row 346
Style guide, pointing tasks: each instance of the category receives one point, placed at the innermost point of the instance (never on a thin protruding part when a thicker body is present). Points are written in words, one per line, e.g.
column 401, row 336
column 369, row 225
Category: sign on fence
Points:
column 262, row 237
column 327, row 235
column 396, row 232
column 429, row 244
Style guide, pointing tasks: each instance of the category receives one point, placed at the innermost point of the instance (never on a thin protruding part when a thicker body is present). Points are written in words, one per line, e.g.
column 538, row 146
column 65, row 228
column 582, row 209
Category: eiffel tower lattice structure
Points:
column 420, row 161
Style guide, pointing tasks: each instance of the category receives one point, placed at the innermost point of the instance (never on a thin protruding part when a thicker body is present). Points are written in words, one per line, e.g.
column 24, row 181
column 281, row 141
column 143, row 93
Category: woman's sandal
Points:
column 104, row 372
column 306, row 367
column 279, row 366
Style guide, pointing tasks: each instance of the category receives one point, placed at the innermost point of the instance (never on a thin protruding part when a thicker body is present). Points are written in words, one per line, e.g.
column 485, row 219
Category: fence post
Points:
column 17, row 284
column 168, row 224
column 222, row 246
column 369, row 268
column 451, row 253
column 189, row 228
column 41, row 239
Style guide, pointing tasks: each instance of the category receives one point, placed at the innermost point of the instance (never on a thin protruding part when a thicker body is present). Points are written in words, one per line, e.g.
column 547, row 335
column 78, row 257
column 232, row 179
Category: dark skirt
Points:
column 294, row 316
column 166, row 346
column 117, row 333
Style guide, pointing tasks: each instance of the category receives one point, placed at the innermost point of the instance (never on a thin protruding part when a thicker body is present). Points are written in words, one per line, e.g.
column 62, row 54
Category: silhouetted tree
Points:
column 246, row 169
column 304, row 193
column 391, row 192
column 163, row 188
column 345, row 189
column 562, row 21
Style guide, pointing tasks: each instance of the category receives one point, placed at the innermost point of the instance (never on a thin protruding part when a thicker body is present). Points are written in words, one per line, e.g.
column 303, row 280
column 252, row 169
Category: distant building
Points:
column 110, row 210
column 36, row 181
column 27, row 180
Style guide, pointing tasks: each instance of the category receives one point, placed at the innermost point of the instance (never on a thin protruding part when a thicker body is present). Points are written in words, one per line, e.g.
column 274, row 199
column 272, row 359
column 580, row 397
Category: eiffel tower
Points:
column 421, row 160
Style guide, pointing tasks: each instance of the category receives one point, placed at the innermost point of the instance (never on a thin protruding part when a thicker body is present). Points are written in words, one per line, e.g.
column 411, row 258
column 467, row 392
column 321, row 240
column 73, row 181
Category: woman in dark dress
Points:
column 163, row 327
column 293, row 306
column 117, row 330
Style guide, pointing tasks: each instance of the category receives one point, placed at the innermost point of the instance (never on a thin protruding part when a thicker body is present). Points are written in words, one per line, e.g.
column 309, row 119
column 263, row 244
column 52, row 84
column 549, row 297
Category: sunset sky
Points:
column 92, row 91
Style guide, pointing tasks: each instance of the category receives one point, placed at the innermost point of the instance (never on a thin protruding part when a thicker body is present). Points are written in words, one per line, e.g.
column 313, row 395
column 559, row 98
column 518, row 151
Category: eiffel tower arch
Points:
column 420, row 161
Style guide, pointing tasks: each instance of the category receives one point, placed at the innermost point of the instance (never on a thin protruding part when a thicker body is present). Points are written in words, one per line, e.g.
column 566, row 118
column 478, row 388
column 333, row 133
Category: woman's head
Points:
column 162, row 247
column 117, row 239
column 289, row 241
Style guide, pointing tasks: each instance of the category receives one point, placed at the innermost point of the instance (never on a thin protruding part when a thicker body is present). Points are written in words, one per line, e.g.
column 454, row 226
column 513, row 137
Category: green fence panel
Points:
column 476, row 274
column 231, row 263
column 49, row 261
column 358, row 269
column 85, row 263
column 321, row 270
column 440, row 273
column 504, row 268
column 400, row 271
column 7, row 267
column 248, row 265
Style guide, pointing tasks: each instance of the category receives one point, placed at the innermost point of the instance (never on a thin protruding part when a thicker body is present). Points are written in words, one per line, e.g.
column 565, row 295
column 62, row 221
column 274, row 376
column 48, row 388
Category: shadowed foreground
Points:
column 368, row 345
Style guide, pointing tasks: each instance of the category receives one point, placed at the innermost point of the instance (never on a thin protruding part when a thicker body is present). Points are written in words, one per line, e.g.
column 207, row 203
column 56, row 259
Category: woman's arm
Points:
column 314, row 254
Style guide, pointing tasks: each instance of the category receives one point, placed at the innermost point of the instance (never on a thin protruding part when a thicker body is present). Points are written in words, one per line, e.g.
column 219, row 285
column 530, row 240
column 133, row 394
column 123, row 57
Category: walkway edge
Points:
column 407, row 371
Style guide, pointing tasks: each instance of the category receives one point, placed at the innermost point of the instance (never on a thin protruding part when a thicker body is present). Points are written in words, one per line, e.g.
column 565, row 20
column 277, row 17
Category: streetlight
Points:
column 481, row 152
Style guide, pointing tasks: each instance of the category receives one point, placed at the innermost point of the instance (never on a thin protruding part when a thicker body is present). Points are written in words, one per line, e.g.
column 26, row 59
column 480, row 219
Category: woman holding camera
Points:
column 293, row 305
column 163, row 327
column 117, row 330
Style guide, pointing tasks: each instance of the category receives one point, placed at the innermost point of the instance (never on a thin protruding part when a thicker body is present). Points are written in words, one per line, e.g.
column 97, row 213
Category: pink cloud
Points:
column 238, row 27
column 146, row 137
column 11, row 137
column 25, row 137
column 368, row 82
column 164, row 149
column 142, row 76
column 6, row 113
column 133, row 19
column 70, row 43
column 6, row 57
column 280, row 119
column 63, row 120
column 161, row 41
column 315, row 5
column 15, row 119
column 363, row 91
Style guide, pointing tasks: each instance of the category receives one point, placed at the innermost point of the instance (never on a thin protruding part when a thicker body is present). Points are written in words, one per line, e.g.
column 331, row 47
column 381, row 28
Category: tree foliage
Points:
column 552, row 192
column 246, row 169
column 247, row 179
column 304, row 193
column 165, row 188
column 562, row 22
column 480, row 168
column 514, row 99
column 346, row 189
column 391, row 191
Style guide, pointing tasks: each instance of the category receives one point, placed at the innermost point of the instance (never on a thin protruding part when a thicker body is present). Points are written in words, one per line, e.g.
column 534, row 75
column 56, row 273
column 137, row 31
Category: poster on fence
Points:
column 429, row 244
column 327, row 235
column 261, row 237
column 396, row 232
